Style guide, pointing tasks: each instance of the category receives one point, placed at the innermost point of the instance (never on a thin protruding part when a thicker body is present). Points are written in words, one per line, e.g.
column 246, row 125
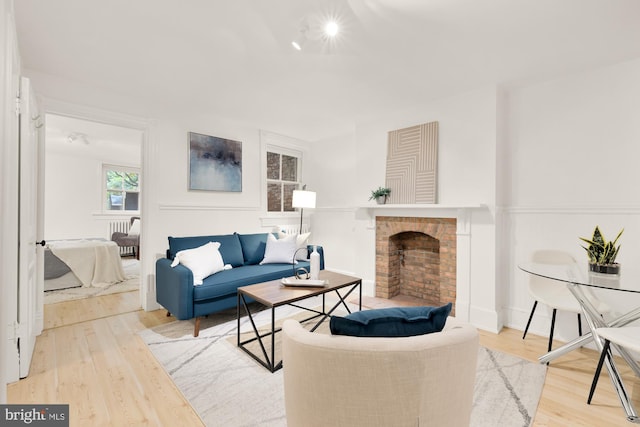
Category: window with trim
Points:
column 121, row 188
column 283, row 176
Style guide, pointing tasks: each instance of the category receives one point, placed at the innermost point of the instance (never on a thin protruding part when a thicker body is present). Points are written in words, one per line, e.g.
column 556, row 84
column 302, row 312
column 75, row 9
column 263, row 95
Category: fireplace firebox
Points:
column 416, row 257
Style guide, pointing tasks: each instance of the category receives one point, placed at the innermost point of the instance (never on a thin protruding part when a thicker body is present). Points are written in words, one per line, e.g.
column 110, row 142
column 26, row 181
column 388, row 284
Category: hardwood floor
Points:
column 566, row 388
column 91, row 357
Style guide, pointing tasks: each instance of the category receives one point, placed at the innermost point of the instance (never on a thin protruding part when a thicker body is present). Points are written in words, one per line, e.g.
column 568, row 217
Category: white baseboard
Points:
column 487, row 320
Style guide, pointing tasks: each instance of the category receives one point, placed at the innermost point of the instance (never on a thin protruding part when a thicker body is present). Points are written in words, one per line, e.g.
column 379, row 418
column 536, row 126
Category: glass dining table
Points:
column 578, row 280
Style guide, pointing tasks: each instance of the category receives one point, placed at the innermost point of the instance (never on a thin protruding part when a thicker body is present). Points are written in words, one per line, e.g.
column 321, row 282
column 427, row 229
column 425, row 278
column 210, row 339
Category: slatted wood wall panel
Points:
column 412, row 159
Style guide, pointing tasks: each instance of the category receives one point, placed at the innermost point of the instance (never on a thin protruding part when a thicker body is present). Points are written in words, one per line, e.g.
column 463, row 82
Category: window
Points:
column 283, row 176
column 121, row 188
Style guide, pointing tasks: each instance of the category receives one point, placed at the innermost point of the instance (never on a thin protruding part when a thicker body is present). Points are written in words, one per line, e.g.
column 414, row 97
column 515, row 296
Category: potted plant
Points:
column 602, row 254
column 380, row 195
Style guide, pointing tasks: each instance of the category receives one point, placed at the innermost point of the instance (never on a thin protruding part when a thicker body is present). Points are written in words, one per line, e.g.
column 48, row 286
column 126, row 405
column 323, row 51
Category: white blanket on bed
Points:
column 95, row 263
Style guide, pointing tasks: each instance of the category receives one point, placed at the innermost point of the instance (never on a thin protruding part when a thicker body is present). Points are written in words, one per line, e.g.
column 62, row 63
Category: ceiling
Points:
column 234, row 59
column 83, row 138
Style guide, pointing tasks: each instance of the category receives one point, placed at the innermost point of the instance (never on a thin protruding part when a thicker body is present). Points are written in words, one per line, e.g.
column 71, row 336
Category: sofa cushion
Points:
column 253, row 246
column 230, row 247
column 280, row 251
column 202, row 261
column 301, row 240
column 226, row 282
column 391, row 322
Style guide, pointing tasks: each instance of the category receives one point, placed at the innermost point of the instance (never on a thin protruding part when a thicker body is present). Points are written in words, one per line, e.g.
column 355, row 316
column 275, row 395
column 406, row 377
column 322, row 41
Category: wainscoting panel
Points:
column 529, row 228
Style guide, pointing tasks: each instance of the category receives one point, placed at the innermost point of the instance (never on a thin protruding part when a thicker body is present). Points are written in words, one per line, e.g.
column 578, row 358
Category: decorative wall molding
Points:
column 63, row 108
column 460, row 212
column 347, row 209
column 186, row 207
column 277, row 220
column 571, row 210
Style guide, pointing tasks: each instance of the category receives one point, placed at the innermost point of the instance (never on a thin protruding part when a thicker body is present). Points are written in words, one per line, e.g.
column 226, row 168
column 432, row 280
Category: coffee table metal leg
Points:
column 273, row 340
column 342, row 301
column 267, row 363
column 238, row 317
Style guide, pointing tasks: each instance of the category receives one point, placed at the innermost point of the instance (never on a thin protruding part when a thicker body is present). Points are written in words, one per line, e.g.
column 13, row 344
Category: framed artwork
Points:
column 412, row 164
column 215, row 164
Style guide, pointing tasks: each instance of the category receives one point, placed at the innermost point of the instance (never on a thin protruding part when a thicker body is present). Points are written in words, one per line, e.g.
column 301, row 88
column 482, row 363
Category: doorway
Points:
column 83, row 160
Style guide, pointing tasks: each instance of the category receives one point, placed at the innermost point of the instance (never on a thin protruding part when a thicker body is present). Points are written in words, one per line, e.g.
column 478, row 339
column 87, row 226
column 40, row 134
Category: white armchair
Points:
column 424, row 380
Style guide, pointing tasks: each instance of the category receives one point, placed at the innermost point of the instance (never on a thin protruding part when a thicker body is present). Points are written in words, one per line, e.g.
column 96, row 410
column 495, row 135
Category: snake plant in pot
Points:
column 602, row 253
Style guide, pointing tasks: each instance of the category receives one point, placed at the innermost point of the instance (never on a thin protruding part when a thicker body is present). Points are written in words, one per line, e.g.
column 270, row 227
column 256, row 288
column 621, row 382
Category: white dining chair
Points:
column 627, row 337
column 554, row 293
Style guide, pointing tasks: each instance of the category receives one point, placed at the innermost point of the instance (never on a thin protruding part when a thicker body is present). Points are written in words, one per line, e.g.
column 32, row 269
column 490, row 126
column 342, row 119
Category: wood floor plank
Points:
column 164, row 398
column 564, row 395
column 92, row 357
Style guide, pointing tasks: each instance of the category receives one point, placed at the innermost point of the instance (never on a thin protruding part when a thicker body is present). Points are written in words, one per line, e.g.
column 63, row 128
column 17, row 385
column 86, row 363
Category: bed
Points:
column 86, row 262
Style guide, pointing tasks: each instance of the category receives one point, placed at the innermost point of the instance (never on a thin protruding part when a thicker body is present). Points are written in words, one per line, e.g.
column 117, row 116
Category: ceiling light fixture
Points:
column 316, row 31
column 331, row 29
column 78, row 136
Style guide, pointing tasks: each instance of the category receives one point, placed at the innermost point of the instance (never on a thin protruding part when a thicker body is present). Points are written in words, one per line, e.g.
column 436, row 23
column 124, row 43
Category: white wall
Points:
column 175, row 211
column 539, row 141
column 170, row 209
column 574, row 149
column 348, row 167
column 73, row 197
column 74, row 181
column 333, row 176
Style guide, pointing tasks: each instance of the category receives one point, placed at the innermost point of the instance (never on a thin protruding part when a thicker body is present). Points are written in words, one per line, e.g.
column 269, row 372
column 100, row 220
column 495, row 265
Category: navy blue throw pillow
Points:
column 253, row 246
column 391, row 322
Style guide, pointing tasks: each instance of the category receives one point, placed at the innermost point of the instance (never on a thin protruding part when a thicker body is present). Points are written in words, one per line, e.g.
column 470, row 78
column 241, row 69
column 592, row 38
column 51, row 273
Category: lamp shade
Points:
column 303, row 199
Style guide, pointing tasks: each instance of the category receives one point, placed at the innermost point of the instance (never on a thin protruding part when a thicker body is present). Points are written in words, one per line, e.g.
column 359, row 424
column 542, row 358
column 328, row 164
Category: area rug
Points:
column 68, row 293
column 226, row 387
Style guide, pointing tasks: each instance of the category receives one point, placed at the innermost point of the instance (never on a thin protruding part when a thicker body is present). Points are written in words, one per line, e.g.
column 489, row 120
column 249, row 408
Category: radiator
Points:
column 293, row 229
column 121, row 226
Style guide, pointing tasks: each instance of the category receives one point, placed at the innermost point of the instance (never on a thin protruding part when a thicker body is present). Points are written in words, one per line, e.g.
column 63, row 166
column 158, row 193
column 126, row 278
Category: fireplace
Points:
column 416, row 257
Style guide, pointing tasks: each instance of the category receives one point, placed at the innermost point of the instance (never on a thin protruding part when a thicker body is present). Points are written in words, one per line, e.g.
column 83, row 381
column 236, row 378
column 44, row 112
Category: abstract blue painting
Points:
column 215, row 164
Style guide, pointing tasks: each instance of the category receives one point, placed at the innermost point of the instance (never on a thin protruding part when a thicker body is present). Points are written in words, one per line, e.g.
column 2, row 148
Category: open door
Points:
column 9, row 207
column 30, row 274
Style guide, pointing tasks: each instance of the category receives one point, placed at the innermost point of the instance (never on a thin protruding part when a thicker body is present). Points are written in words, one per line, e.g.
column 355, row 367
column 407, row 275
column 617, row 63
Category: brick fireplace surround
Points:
column 416, row 257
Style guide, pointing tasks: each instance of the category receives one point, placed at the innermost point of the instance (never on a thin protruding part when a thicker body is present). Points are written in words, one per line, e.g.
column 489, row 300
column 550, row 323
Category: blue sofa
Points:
column 176, row 292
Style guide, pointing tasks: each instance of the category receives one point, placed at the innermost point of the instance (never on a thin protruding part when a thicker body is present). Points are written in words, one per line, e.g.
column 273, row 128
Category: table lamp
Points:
column 303, row 199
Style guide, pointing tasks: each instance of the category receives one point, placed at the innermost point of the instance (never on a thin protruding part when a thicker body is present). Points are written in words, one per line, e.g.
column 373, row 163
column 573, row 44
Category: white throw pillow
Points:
column 279, row 251
column 301, row 242
column 135, row 228
column 202, row 261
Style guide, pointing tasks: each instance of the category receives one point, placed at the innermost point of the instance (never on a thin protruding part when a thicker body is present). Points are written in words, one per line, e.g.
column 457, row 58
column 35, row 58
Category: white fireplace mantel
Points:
column 462, row 214
column 424, row 206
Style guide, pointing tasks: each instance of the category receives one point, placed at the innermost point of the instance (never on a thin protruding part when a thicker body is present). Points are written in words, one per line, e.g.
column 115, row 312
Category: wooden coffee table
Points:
column 274, row 294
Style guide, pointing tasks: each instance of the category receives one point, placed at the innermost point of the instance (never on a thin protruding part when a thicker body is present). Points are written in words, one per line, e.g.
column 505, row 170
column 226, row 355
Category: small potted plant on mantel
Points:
column 602, row 254
column 380, row 195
